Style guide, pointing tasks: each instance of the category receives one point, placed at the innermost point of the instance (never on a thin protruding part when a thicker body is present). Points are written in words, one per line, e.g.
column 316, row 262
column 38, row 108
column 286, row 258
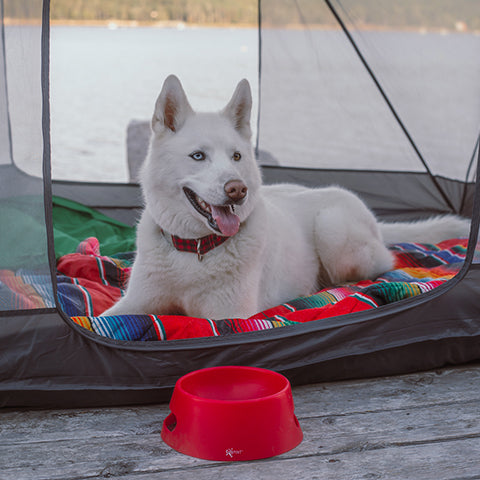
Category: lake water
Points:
column 103, row 78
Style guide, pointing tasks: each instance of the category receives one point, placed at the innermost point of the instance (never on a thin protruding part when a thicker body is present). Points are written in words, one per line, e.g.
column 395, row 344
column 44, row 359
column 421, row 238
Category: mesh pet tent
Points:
column 391, row 112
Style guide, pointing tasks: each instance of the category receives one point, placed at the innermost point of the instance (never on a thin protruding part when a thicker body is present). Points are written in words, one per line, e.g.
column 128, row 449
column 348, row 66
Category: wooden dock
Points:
column 412, row 427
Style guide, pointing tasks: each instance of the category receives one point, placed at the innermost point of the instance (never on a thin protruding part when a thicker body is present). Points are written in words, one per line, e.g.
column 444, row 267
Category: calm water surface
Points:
column 101, row 79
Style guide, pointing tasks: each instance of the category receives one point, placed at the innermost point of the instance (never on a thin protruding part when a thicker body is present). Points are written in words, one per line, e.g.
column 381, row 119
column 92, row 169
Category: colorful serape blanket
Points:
column 89, row 283
column 25, row 290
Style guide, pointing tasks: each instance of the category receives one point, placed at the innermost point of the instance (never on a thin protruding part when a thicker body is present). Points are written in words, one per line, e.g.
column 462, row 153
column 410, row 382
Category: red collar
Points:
column 200, row 246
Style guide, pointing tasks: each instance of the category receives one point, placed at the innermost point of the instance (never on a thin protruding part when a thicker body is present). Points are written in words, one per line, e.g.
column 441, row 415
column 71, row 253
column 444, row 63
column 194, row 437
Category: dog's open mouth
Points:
column 221, row 218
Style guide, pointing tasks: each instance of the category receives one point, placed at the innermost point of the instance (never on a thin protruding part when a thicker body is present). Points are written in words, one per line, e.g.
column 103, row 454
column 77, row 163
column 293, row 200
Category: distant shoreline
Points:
column 113, row 24
column 179, row 25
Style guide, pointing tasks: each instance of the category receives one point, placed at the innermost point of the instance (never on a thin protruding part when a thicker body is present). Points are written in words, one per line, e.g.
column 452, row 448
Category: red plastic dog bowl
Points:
column 232, row 413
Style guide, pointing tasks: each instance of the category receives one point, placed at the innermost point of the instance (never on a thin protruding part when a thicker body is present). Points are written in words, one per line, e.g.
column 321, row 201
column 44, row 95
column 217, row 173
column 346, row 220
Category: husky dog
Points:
column 213, row 242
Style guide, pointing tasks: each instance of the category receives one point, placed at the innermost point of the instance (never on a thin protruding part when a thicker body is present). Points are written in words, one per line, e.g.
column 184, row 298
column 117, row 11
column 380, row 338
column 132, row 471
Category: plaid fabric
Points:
column 200, row 246
column 88, row 283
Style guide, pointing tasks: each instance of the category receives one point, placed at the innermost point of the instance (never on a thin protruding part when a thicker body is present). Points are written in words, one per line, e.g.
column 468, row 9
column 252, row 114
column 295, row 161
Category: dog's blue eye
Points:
column 237, row 156
column 198, row 156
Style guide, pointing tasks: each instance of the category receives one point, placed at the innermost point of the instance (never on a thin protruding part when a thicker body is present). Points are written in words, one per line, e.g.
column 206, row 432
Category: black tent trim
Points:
column 128, row 196
column 47, row 150
column 20, row 313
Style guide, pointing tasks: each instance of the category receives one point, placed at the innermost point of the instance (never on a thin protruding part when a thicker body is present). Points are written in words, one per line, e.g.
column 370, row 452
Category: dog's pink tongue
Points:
column 227, row 222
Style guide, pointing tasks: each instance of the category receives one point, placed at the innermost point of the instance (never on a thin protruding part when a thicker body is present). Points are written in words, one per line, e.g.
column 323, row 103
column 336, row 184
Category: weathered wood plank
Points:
column 63, row 425
column 323, row 436
column 404, row 391
column 453, row 460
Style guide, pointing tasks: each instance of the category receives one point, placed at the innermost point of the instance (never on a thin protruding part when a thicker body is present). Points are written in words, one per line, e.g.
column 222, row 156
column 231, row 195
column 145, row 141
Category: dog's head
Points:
column 200, row 175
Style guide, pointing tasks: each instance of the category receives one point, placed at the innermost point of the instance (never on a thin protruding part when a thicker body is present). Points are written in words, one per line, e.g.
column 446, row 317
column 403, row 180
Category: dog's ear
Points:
column 239, row 109
column 172, row 107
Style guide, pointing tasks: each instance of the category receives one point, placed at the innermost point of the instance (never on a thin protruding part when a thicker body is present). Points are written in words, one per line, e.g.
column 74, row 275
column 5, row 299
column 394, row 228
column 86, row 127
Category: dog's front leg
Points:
column 143, row 295
column 242, row 307
column 233, row 299
column 127, row 306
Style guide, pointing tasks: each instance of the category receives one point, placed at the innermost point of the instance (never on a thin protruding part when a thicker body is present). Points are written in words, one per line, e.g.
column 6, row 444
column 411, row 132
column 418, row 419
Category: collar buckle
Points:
column 199, row 245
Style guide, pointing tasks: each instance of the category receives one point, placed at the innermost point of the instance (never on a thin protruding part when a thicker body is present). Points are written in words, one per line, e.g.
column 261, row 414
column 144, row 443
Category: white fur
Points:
column 292, row 240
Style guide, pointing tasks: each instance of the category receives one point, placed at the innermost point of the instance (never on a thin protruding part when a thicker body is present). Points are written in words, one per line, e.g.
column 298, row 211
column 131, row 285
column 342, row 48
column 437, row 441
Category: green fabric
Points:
column 23, row 234
column 74, row 222
column 23, row 237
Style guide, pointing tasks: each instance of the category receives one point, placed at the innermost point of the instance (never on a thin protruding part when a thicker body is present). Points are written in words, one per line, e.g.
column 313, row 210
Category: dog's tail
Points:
column 432, row 230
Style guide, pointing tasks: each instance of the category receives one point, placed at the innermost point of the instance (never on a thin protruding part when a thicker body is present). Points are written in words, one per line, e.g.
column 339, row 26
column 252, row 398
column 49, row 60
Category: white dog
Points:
column 213, row 242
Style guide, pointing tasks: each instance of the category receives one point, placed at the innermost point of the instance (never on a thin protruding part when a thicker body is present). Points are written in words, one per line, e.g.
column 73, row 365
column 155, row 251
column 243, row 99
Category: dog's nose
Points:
column 236, row 190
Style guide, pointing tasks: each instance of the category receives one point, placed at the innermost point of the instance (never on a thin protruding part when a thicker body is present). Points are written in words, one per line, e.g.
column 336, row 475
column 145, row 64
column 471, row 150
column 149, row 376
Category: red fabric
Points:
column 177, row 327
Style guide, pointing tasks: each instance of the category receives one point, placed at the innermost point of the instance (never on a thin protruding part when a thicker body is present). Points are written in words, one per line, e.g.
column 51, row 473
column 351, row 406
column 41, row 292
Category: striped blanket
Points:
column 88, row 283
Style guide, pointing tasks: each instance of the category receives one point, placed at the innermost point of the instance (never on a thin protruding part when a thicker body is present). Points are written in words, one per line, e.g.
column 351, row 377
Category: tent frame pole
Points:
column 388, row 102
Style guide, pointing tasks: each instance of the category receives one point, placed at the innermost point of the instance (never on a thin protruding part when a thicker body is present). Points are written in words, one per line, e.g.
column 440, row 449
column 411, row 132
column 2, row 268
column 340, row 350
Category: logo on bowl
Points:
column 230, row 452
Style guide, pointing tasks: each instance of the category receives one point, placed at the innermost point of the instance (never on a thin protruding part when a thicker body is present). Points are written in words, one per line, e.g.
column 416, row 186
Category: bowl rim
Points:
column 286, row 387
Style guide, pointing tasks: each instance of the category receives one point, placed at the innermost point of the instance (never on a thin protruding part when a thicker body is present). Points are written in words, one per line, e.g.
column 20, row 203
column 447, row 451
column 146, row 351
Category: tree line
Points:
column 415, row 13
